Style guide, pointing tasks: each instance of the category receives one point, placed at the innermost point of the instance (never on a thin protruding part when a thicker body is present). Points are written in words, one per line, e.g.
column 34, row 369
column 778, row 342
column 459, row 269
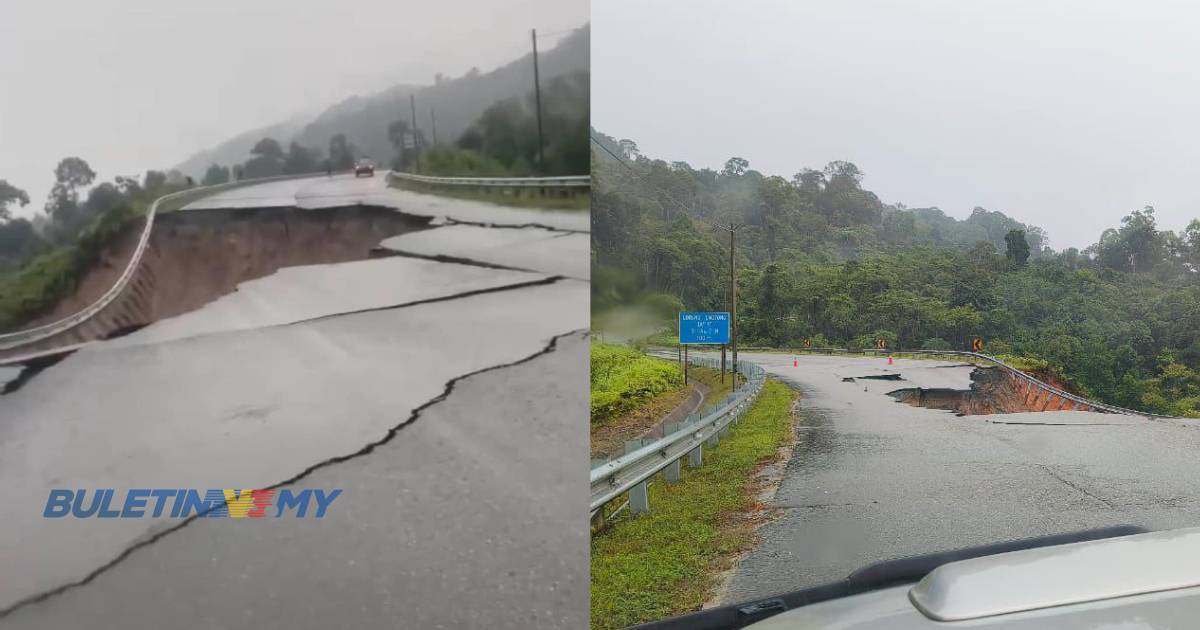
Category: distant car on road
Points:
column 364, row 166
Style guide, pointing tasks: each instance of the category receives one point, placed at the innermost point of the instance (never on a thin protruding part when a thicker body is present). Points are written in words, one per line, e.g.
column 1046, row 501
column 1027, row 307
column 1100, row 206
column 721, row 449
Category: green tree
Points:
column 341, row 152
column 268, row 148
column 735, row 167
column 9, row 195
column 153, row 182
column 301, row 160
column 62, row 207
column 266, row 160
column 216, row 174
column 1017, row 249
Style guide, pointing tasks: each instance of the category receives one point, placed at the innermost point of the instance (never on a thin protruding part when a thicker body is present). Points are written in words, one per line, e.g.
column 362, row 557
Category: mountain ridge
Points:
column 456, row 102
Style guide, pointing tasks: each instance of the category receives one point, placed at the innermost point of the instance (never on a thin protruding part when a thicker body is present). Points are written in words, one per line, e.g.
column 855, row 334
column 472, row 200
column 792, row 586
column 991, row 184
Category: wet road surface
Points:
column 341, row 190
column 529, row 249
column 872, row 479
column 443, row 398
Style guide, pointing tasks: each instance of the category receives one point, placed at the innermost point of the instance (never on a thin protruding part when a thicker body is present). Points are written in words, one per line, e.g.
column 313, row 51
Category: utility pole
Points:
column 725, row 346
column 433, row 125
column 412, row 103
column 733, row 301
column 537, row 93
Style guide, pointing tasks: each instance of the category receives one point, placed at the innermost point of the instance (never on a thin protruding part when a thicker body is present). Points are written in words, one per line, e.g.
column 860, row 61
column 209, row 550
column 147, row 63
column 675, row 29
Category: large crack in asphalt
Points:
column 512, row 226
column 457, row 260
column 370, row 447
column 547, row 280
column 30, row 369
column 1077, row 487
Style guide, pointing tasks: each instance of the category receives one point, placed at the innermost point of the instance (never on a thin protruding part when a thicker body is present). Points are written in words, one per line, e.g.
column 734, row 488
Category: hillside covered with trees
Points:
column 821, row 257
column 457, row 104
column 41, row 260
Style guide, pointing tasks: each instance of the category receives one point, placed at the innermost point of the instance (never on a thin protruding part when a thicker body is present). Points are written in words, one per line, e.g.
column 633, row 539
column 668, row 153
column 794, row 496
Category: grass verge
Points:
column 608, row 437
column 667, row 562
column 622, row 379
column 503, row 196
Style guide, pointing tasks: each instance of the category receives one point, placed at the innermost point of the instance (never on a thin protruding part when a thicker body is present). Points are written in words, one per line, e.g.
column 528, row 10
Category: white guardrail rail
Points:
column 632, row 471
column 172, row 201
column 572, row 181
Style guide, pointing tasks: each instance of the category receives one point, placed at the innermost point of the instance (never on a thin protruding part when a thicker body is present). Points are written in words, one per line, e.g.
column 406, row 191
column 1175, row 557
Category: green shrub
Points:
column 936, row 343
column 455, row 162
column 622, row 378
column 34, row 289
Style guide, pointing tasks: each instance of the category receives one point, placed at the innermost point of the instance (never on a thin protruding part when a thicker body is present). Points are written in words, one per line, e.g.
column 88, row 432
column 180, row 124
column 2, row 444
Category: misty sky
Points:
column 130, row 85
column 1066, row 115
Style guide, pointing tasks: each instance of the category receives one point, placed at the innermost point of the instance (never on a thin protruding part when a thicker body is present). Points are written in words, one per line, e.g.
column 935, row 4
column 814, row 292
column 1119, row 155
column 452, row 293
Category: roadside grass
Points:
column 609, row 436
column 712, row 378
column 503, row 197
column 623, row 378
column 667, row 562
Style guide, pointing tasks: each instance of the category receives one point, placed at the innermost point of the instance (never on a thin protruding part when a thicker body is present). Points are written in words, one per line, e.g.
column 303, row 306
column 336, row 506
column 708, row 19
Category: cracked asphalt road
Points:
column 535, row 250
column 465, row 519
column 443, row 398
column 342, row 190
column 871, row 479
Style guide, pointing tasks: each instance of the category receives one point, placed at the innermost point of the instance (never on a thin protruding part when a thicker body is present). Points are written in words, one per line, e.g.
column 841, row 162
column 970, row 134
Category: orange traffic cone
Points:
column 889, row 359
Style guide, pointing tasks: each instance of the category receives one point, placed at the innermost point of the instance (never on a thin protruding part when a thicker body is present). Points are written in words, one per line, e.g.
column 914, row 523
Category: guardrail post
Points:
column 696, row 457
column 671, row 472
column 639, row 495
column 639, row 499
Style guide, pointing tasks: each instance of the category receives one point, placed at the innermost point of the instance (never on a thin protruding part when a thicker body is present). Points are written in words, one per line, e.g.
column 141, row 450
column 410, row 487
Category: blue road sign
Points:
column 703, row 328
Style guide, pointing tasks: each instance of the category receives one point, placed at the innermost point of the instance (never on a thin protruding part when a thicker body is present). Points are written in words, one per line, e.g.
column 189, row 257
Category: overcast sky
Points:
column 1066, row 115
column 130, row 85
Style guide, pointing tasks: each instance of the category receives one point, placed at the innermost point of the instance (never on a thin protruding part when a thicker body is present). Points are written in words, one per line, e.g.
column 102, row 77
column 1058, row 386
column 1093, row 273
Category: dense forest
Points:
column 821, row 257
column 504, row 140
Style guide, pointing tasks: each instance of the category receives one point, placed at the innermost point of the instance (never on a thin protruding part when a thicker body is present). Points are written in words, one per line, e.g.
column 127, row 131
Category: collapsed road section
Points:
column 193, row 258
column 973, row 390
column 438, row 396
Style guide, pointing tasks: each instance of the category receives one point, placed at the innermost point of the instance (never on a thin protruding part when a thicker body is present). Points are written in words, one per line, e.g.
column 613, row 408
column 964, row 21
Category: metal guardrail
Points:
column 632, row 471
column 573, row 181
column 165, row 203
